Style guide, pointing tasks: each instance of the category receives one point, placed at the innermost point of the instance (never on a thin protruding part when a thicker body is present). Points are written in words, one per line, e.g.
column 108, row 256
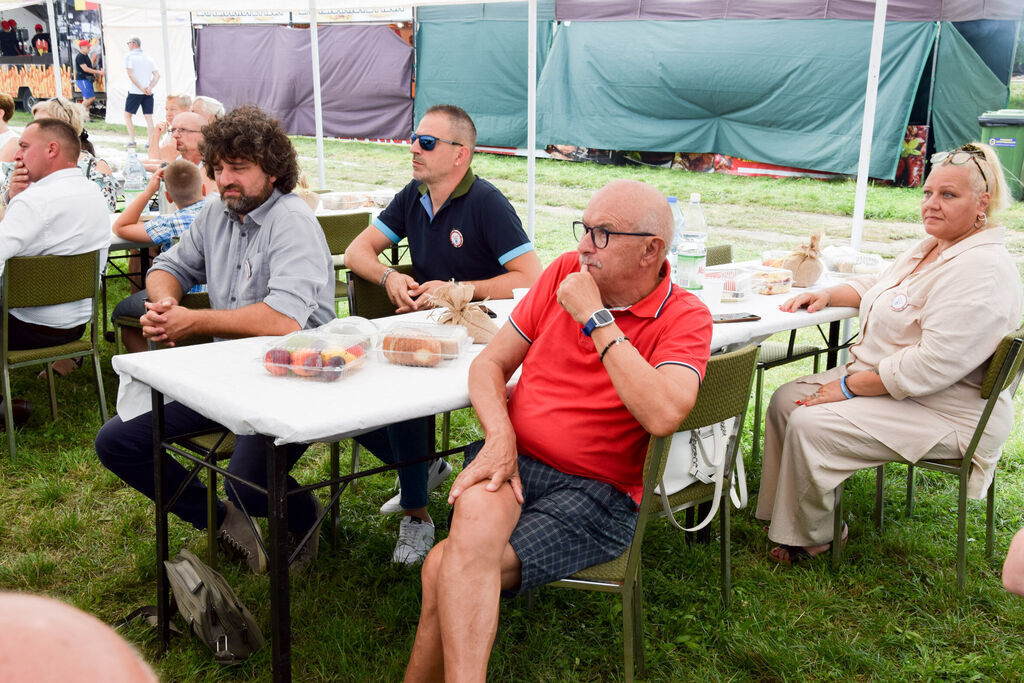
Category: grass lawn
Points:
column 71, row 530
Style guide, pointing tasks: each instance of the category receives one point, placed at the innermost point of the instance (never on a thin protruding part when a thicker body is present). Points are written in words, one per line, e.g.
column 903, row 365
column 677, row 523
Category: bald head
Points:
column 45, row 640
column 187, row 138
column 640, row 208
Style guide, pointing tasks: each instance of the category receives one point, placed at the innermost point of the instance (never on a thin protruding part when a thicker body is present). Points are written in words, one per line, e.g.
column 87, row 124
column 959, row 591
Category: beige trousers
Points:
column 808, row 452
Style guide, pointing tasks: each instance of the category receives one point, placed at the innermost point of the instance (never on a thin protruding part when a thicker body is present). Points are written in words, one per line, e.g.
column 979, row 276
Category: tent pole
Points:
column 866, row 135
column 54, row 41
column 868, row 126
column 531, row 117
column 167, row 47
column 314, row 45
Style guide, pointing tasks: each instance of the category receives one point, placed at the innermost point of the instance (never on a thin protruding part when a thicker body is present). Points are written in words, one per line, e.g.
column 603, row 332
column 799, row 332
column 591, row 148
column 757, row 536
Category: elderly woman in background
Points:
column 928, row 325
column 75, row 115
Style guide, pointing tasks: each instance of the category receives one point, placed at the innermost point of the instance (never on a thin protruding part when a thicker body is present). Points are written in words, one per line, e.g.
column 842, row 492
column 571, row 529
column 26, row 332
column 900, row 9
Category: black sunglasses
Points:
column 428, row 142
column 600, row 235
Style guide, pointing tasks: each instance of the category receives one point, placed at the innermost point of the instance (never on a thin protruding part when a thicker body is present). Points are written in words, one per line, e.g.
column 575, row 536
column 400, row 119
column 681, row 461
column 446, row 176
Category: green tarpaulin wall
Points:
column 787, row 92
column 474, row 56
column 964, row 88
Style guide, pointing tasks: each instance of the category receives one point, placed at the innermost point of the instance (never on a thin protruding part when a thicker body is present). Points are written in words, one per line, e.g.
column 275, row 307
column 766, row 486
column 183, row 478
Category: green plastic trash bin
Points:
column 1004, row 131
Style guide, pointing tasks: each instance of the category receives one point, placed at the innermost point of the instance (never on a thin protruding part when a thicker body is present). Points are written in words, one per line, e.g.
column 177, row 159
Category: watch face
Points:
column 603, row 317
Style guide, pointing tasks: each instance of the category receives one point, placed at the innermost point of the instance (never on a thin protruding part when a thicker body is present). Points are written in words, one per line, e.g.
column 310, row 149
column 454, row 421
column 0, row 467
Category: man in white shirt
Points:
column 142, row 78
column 53, row 209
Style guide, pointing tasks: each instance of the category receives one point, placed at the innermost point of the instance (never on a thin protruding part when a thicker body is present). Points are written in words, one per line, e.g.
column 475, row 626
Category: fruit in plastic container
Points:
column 277, row 361
column 334, row 366
column 306, row 362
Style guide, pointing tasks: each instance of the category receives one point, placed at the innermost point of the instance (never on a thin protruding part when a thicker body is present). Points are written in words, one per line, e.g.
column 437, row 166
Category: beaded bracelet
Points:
column 613, row 342
column 847, row 392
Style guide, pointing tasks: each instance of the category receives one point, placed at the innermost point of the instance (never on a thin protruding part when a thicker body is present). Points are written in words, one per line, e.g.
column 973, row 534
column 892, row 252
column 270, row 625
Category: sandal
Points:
column 77, row 364
column 795, row 554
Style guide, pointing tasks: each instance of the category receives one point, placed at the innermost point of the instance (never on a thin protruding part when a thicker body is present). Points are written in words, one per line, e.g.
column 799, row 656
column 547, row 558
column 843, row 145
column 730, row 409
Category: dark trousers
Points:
column 126, row 449
column 401, row 441
column 22, row 335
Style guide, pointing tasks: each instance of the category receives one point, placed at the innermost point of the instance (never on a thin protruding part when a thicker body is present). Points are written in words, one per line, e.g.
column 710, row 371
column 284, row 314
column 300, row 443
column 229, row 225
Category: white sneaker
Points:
column 415, row 539
column 437, row 474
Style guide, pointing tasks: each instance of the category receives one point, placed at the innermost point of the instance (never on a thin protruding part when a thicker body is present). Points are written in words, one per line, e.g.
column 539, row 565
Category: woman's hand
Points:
column 826, row 393
column 814, row 301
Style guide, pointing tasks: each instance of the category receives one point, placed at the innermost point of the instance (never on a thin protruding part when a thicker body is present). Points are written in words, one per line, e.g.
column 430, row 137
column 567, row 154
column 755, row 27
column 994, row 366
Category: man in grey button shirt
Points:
column 263, row 256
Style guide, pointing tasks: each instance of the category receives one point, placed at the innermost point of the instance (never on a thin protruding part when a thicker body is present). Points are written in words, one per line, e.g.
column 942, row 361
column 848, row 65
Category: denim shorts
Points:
column 568, row 523
column 86, row 88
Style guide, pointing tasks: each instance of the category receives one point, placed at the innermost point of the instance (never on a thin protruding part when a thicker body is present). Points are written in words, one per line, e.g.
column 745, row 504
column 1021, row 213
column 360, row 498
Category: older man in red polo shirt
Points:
column 611, row 352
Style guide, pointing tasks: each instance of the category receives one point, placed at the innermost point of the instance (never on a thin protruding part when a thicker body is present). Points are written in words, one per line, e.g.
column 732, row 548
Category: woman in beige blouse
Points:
column 928, row 326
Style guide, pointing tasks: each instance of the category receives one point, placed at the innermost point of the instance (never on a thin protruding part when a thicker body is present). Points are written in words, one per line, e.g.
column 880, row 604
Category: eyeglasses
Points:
column 428, row 142
column 962, row 155
column 600, row 235
column 182, row 131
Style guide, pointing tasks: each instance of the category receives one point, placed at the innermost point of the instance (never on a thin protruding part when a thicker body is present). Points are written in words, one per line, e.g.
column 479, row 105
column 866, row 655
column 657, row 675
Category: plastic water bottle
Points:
column 677, row 237
column 694, row 217
column 692, row 249
column 134, row 178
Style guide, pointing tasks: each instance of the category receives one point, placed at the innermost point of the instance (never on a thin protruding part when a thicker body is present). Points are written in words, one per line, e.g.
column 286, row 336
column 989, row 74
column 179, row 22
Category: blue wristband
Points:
column 845, row 389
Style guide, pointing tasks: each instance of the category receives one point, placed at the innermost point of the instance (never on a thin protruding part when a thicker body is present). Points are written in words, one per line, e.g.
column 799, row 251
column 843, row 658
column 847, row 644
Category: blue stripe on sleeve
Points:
column 388, row 232
column 518, row 251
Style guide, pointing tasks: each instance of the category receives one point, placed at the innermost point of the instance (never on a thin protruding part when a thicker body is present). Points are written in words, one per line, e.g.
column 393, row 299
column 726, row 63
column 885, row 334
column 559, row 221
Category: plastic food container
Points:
column 768, row 281
column 422, row 345
column 848, row 262
column 324, row 354
column 774, row 257
column 735, row 282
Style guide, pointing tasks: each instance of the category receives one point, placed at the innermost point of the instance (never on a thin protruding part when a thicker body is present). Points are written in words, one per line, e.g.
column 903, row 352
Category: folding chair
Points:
column 46, row 281
column 724, row 394
column 1003, row 373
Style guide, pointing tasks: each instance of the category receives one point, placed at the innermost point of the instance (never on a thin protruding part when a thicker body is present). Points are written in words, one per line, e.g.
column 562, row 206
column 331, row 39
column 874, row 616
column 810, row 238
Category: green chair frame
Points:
column 46, row 281
column 340, row 230
column 1003, row 373
column 724, row 393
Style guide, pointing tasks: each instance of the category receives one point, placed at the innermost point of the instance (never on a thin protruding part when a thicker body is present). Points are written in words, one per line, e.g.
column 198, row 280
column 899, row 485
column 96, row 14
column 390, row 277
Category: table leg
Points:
column 163, row 605
column 280, row 619
column 832, row 357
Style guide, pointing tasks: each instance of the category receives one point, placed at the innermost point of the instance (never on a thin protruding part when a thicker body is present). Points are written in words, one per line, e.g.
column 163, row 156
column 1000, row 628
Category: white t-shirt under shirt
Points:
column 64, row 213
column 142, row 68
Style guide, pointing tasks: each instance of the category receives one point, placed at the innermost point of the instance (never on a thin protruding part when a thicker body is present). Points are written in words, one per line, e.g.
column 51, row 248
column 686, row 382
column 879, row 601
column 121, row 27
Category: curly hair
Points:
column 251, row 134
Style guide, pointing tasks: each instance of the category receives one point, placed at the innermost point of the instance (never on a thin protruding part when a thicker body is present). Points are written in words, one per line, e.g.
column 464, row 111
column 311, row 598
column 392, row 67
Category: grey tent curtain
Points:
column 365, row 73
column 792, row 95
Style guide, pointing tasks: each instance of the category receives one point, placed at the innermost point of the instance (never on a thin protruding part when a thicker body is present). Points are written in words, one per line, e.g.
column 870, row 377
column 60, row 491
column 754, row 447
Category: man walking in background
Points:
column 142, row 78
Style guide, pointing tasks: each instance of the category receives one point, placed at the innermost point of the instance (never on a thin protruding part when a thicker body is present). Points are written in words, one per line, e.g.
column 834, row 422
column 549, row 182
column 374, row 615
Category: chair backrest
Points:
column 50, row 280
column 341, row 229
column 369, row 299
column 718, row 254
column 1004, row 370
column 724, row 393
column 1007, row 353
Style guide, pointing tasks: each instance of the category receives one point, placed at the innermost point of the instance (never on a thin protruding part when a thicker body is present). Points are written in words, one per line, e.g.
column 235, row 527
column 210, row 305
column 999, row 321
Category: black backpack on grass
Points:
column 212, row 610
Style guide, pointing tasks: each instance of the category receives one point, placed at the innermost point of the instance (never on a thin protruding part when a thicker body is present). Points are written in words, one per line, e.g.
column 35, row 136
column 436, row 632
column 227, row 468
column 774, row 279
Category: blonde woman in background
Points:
column 929, row 324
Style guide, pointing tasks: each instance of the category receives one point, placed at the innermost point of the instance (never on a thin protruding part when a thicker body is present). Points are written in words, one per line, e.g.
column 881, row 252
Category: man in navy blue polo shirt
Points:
column 458, row 227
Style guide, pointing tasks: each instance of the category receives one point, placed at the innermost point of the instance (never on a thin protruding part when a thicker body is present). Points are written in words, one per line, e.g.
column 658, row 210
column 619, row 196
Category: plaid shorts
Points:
column 568, row 523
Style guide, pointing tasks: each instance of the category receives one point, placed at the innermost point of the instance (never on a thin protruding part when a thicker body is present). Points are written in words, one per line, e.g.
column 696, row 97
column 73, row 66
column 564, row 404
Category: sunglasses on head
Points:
column 961, row 156
column 428, row 142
